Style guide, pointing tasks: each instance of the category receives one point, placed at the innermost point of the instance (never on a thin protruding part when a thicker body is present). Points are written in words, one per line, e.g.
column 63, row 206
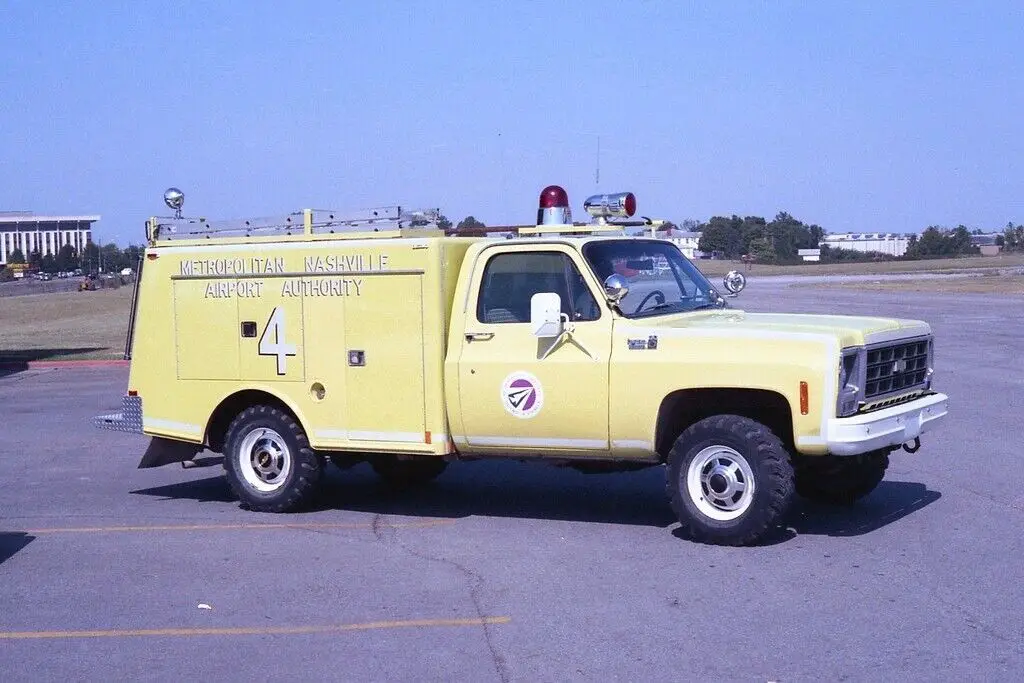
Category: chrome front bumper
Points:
column 883, row 428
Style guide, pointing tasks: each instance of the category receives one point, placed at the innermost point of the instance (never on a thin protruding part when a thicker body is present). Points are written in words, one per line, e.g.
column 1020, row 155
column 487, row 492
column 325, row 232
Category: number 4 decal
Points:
column 278, row 347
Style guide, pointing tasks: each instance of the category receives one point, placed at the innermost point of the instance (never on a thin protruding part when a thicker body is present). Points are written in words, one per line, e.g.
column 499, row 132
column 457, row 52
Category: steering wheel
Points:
column 656, row 293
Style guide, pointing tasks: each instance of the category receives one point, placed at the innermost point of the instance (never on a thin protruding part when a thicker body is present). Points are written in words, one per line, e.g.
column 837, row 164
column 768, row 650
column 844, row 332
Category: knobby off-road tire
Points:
column 268, row 461
column 840, row 480
column 729, row 480
column 408, row 472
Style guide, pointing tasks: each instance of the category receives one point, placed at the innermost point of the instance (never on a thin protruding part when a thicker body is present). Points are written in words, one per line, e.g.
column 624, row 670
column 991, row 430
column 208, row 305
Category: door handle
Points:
column 479, row 336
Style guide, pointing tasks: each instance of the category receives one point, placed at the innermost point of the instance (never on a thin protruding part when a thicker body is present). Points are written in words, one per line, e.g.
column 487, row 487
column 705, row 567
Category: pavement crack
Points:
column 474, row 580
column 975, row 622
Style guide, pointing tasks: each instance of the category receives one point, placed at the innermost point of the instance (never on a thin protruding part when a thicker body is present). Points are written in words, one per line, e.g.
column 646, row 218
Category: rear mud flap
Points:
column 166, row 451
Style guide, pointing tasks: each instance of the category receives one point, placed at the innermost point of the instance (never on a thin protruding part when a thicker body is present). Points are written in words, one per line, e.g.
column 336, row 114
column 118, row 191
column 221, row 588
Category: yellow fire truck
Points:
column 288, row 342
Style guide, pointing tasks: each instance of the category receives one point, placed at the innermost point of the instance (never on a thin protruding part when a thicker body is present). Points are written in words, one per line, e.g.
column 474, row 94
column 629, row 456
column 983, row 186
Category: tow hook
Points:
column 915, row 448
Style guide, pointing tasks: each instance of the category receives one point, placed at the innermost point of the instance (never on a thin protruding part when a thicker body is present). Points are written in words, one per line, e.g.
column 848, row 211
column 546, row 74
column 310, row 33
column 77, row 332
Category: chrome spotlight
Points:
column 174, row 199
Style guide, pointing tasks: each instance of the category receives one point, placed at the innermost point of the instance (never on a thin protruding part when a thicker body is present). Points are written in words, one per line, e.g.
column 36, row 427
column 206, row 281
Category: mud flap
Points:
column 165, row 451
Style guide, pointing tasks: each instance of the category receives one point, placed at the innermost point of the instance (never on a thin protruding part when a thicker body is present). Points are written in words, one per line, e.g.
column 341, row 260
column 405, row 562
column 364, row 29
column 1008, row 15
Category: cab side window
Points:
column 510, row 280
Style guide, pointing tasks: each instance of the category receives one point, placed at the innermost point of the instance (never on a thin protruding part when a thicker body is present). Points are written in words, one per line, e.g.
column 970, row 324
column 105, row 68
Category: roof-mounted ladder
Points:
column 389, row 221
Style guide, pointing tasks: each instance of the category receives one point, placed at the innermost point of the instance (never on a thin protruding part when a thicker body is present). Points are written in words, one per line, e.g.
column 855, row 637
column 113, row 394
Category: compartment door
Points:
column 205, row 329
column 384, row 355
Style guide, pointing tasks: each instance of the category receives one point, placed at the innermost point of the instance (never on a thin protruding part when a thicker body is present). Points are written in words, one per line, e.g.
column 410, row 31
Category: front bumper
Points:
column 883, row 428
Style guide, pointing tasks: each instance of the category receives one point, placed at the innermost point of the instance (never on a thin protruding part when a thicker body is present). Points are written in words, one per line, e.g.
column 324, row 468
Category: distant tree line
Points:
column 776, row 241
column 94, row 258
column 1012, row 238
column 935, row 242
column 467, row 227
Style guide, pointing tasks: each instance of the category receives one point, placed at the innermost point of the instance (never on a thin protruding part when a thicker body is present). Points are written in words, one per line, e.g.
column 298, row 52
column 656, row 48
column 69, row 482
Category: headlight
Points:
column 851, row 382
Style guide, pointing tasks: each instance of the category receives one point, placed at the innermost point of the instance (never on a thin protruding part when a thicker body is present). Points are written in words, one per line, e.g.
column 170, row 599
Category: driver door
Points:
column 520, row 393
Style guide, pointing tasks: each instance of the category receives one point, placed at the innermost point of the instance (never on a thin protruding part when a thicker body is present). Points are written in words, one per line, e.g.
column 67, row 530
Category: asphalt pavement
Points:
column 502, row 571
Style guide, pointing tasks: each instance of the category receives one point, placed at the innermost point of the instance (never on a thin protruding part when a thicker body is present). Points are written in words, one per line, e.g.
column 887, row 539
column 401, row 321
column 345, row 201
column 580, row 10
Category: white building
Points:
column 685, row 240
column 46, row 234
column 894, row 244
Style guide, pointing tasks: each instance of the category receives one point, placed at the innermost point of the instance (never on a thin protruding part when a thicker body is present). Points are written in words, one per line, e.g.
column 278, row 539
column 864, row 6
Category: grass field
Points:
column 719, row 268
column 68, row 325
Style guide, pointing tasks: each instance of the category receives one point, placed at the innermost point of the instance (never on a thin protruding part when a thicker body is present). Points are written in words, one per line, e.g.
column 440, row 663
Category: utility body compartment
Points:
column 348, row 333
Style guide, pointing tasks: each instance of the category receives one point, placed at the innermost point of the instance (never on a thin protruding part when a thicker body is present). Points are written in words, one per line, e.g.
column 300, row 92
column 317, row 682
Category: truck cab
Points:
column 567, row 343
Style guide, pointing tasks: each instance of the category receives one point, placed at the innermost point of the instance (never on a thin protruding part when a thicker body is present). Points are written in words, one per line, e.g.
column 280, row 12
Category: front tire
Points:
column 268, row 461
column 840, row 480
column 729, row 480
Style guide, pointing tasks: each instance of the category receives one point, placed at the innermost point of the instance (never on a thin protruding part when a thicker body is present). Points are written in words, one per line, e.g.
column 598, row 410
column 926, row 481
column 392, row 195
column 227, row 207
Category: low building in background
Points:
column 29, row 233
column 894, row 244
column 809, row 254
column 684, row 239
column 986, row 243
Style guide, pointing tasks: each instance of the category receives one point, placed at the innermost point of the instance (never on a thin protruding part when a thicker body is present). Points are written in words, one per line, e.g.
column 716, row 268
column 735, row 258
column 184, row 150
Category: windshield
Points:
column 661, row 280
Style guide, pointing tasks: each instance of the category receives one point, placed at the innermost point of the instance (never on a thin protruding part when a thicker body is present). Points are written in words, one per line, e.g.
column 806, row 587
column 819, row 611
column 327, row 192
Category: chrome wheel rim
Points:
column 264, row 460
column 720, row 482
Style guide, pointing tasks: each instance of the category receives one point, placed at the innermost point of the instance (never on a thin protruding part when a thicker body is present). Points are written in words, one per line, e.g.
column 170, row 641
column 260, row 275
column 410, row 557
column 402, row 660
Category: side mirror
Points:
column 616, row 287
column 546, row 315
column 734, row 282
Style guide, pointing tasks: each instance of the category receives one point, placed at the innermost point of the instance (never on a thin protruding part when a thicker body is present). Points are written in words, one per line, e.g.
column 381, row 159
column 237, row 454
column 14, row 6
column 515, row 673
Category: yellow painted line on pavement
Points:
column 252, row 630
column 236, row 527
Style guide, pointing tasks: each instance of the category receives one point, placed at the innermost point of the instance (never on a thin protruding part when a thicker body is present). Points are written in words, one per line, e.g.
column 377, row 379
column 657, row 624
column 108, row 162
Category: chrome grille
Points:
column 896, row 367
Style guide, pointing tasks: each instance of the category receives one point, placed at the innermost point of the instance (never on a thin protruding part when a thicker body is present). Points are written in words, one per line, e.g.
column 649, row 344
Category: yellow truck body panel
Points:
column 349, row 334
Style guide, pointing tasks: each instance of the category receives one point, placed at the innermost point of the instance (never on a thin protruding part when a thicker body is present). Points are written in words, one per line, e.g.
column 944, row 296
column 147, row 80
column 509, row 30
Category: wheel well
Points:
column 230, row 407
column 683, row 408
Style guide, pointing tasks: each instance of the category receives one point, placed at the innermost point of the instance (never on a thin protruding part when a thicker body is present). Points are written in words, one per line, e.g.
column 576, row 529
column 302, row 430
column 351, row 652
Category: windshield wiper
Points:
column 657, row 307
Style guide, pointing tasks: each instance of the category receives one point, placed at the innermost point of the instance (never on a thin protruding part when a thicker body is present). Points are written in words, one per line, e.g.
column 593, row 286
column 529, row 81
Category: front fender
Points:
column 680, row 359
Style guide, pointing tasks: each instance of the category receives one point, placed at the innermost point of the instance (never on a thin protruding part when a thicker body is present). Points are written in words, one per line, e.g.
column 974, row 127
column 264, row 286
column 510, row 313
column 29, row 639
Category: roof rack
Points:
column 596, row 228
column 569, row 229
column 388, row 221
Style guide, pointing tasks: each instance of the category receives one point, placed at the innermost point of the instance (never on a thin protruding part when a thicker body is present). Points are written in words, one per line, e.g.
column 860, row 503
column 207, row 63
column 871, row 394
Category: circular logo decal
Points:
column 522, row 395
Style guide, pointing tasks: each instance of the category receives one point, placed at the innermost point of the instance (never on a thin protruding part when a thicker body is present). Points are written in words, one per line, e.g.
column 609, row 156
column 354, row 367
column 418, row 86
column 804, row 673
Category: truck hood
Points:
column 848, row 330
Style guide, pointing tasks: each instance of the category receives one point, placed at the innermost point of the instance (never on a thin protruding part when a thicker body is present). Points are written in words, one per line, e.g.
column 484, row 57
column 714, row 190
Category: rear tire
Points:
column 729, row 480
column 407, row 472
column 840, row 480
column 268, row 461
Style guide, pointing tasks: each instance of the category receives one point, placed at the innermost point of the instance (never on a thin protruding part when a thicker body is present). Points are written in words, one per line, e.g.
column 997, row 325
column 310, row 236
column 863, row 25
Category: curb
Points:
column 55, row 364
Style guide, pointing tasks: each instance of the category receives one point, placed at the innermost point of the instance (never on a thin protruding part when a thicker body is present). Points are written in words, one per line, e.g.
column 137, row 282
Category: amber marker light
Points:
column 803, row 398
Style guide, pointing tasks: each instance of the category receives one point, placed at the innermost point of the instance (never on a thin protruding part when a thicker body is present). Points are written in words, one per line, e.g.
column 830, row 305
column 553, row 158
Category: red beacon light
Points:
column 605, row 206
column 554, row 207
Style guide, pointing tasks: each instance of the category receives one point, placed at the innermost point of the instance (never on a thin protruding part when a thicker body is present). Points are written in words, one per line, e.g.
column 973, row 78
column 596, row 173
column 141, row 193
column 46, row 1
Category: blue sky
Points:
column 858, row 116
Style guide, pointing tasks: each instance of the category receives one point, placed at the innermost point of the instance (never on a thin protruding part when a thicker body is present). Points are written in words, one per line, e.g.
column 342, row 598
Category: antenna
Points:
column 597, row 171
